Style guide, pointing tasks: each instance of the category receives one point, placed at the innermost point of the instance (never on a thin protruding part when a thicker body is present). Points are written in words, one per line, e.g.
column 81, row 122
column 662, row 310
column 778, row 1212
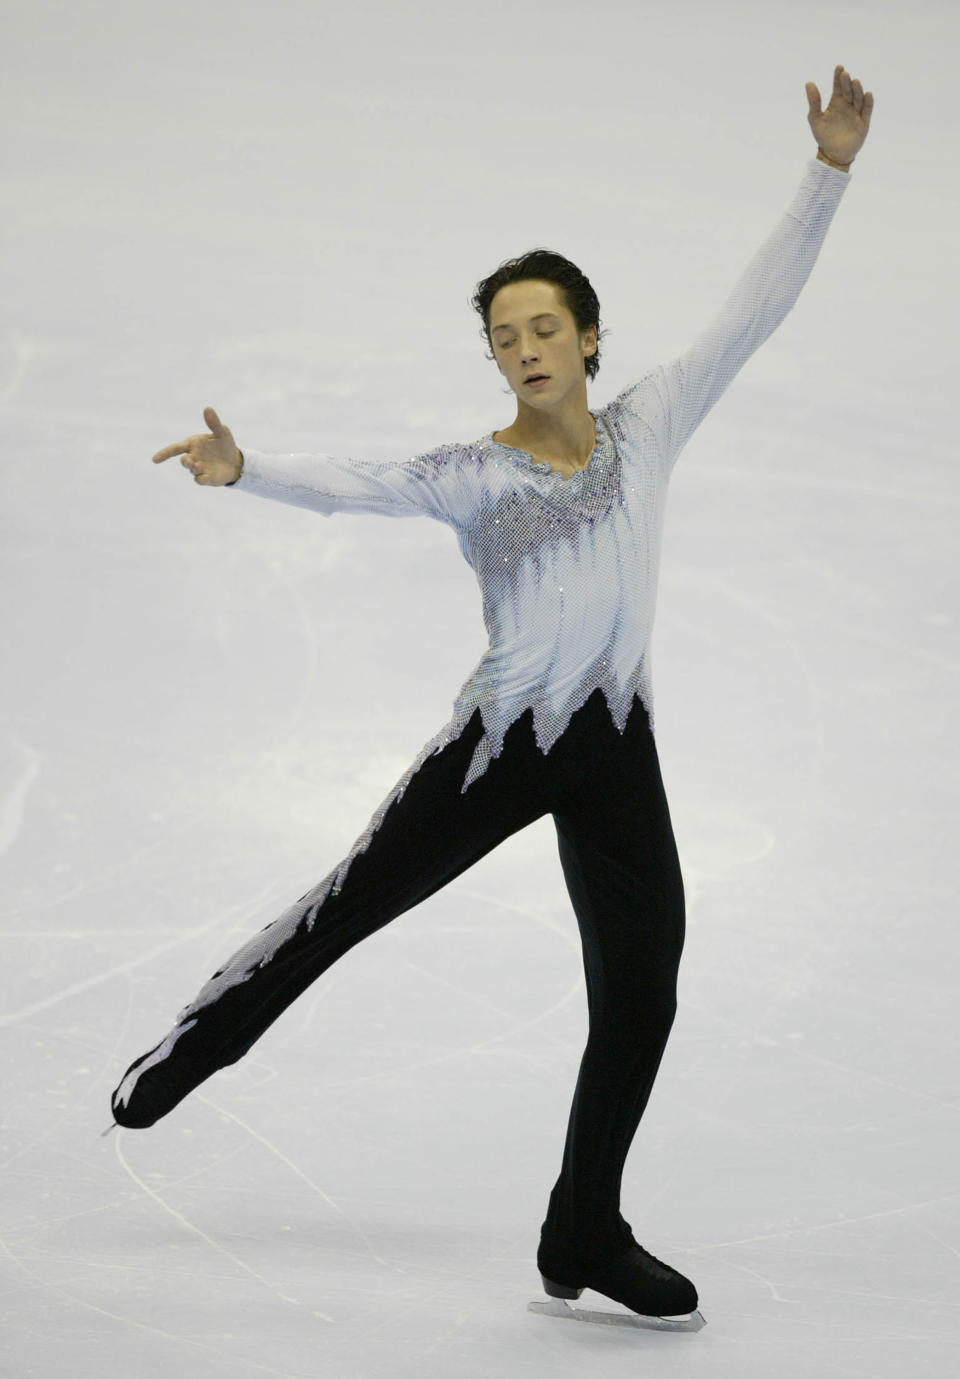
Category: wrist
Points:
column 239, row 471
column 832, row 162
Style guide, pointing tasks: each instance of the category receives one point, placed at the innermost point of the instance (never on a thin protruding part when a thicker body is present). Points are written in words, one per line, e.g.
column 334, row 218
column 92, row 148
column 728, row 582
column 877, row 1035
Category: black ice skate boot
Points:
column 158, row 1080
column 631, row 1276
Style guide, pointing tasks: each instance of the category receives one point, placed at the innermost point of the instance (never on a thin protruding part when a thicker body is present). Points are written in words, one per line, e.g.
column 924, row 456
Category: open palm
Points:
column 840, row 129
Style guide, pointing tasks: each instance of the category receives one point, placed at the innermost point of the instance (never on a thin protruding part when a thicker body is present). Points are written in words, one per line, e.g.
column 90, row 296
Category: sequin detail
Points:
column 567, row 566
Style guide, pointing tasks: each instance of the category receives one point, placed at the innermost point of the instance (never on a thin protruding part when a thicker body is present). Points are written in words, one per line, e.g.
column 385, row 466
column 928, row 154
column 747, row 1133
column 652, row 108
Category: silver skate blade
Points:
column 557, row 1307
column 106, row 1132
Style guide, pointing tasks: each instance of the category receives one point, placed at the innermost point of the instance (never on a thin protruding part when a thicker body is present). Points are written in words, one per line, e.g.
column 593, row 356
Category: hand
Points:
column 840, row 129
column 212, row 459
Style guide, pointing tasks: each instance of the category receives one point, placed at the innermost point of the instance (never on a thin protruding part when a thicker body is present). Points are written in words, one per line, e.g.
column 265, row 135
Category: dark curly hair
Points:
column 576, row 292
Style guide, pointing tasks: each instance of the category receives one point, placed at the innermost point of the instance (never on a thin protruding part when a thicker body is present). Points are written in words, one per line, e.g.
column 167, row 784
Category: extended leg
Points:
column 426, row 838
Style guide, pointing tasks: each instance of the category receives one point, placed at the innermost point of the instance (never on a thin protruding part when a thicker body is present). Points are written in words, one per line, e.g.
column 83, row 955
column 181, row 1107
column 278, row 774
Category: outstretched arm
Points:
column 674, row 398
column 440, row 483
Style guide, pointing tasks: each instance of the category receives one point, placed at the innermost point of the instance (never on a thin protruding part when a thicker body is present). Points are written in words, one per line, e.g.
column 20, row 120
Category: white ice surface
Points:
column 282, row 211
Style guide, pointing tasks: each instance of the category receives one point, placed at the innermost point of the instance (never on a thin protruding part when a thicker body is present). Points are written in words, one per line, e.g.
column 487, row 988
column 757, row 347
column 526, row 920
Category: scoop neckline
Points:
column 544, row 465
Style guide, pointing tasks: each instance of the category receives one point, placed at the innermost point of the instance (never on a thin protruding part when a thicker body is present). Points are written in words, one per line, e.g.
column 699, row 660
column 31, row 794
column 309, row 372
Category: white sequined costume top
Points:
column 568, row 567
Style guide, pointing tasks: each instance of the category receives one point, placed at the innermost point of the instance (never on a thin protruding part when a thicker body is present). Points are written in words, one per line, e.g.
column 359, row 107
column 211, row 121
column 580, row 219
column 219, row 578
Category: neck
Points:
column 567, row 434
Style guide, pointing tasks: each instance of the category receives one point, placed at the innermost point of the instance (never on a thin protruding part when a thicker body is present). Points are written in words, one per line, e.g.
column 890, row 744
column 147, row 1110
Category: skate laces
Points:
column 665, row 1269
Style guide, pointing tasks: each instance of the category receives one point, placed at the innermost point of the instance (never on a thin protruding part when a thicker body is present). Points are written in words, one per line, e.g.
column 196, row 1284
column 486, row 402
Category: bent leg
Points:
column 428, row 835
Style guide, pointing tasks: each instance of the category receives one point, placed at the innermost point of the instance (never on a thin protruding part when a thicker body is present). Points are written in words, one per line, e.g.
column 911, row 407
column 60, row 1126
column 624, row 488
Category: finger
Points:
column 857, row 94
column 813, row 96
column 213, row 421
column 837, row 87
column 180, row 448
column 867, row 106
column 845, row 86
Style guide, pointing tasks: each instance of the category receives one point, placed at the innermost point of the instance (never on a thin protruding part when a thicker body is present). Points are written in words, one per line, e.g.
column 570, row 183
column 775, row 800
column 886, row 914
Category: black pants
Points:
column 622, row 872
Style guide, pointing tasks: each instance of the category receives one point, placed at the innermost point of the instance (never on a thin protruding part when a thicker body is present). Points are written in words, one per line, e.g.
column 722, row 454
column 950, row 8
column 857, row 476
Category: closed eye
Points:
column 545, row 333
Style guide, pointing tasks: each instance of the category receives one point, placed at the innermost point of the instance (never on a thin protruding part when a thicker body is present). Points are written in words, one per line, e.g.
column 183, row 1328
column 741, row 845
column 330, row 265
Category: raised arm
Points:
column 692, row 383
column 674, row 398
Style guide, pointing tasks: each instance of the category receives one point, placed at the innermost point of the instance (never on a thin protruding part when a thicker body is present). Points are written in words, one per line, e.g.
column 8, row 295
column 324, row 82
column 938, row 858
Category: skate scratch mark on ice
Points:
column 42, row 1222
column 859, row 488
column 825, row 1225
column 299, row 720
column 24, row 353
column 108, row 1061
column 324, row 986
column 188, row 936
column 233, row 1358
column 813, row 761
column 107, row 873
column 315, row 1187
column 214, row 1244
column 556, row 929
column 393, row 1072
column 875, row 1077
column 745, row 1269
column 534, row 914
column 465, row 995
column 951, row 1249
column 443, row 1282
column 11, row 805
column 460, row 991
column 464, row 1313
column 899, row 648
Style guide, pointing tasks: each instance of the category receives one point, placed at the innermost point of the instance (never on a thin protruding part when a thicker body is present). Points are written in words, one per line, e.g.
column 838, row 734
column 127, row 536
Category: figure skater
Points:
column 560, row 516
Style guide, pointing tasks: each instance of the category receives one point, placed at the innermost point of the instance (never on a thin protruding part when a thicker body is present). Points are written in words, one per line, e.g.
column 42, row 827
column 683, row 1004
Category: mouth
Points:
column 535, row 379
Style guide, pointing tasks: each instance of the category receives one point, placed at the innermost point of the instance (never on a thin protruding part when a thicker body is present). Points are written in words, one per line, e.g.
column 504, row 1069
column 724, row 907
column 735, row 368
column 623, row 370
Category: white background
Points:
column 282, row 211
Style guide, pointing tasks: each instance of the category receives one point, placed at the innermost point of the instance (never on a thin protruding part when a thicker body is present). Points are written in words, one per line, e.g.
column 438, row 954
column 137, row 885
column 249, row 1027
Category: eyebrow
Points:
column 505, row 325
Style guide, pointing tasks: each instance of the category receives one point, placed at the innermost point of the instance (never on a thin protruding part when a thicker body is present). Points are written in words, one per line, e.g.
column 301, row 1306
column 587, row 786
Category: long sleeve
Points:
column 674, row 398
column 441, row 483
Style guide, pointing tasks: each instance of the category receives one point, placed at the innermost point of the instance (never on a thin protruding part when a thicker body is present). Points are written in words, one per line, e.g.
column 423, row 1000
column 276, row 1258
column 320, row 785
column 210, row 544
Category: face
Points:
column 532, row 331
